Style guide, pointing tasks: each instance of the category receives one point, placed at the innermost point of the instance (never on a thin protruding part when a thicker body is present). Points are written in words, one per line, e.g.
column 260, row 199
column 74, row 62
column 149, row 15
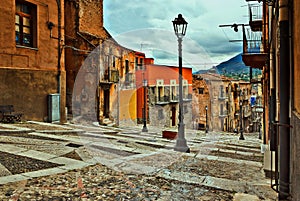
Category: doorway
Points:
column 173, row 116
column 106, row 103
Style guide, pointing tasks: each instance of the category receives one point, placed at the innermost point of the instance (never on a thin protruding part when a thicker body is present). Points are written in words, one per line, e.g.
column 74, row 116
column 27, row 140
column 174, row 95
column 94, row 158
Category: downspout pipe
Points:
column 58, row 43
column 59, row 53
column 284, row 83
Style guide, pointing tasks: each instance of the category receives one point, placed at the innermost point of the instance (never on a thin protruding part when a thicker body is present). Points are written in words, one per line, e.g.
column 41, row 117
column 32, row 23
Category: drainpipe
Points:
column 272, row 103
column 284, row 119
column 59, row 76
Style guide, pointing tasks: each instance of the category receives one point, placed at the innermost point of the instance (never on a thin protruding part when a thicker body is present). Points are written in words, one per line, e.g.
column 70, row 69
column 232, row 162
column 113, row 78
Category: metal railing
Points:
column 274, row 144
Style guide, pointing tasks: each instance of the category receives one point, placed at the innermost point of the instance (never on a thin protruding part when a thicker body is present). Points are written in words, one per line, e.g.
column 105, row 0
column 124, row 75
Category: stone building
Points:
column 221, row 96
column 32, row 57
column 201, row 103
column 100, row 72
column 72, row 60
column 277, row 53
column 163, row 95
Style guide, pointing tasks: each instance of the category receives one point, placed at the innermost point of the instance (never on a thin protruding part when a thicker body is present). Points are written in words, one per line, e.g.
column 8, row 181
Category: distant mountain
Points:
column 234, row 68
column 234, row 64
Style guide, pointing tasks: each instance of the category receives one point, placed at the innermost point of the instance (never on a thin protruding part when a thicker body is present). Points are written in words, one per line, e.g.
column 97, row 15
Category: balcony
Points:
column 255, row 81
column 187, row 97
column 254, row 49
column 255, row 13
column 223, row 114
column 174, row 98
column 256, row 60
column 254, row 43
column 114, row 76
column 222, row 97
column 162, row 100
column 111, row 76
column 129, row 81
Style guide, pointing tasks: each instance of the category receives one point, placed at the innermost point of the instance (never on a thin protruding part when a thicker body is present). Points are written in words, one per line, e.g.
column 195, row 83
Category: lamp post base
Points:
column 181, row 146
column 145, row 129
column 241, row 137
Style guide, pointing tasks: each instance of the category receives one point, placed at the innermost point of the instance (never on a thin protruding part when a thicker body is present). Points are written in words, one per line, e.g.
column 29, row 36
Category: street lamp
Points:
column 259, row 130
column 180, row 26
column 206, row 126
column 241, row 118
column 145, row 106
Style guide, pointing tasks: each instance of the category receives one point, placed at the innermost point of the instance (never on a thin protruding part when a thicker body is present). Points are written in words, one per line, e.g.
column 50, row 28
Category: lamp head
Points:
column 180, row 26
column 50, row 25
column 235, row 27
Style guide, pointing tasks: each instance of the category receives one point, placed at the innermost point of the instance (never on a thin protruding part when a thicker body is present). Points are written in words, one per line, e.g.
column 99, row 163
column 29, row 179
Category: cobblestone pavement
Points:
column 42, row 161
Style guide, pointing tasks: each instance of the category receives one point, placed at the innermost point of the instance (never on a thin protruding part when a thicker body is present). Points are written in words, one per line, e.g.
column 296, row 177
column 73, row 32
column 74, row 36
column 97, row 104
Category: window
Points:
column 201, row 90
column 126, row 66
column 141, row 63
column 25, row 21
column 221, row 91
column 221, row 109
column 160, row 93
column 136, row 63
column 114, row 61
column 174, row 93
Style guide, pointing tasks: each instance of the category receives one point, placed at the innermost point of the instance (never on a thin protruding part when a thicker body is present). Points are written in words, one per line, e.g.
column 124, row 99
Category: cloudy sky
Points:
column 147, row 26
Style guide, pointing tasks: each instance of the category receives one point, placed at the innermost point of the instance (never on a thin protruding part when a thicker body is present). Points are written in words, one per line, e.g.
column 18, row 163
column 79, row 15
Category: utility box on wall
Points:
column 53, row 107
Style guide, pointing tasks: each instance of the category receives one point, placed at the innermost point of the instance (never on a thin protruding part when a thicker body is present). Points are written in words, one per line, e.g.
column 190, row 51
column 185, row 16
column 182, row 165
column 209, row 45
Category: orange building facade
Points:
column 161, row 85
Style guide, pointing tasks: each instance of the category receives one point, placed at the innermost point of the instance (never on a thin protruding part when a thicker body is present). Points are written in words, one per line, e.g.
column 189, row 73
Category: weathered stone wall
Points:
column 91, row 16
column 295, row 155
column 295, row 118
column 27, row 90
column 85, row 36
column 201, row 99
column 188, row 120
column 160, row 115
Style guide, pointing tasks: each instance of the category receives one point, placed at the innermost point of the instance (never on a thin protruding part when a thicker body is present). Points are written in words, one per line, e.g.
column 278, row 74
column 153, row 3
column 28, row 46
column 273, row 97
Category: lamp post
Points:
column 145, row 129
column 206, row 126
column 241, row 118
column 180, row 26
column 259, row 130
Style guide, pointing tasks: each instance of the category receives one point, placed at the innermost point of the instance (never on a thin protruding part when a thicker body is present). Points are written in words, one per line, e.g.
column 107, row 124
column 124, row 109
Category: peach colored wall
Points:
column 44, row 56
column 28, row 75
column 27, row 90
column 128, row 105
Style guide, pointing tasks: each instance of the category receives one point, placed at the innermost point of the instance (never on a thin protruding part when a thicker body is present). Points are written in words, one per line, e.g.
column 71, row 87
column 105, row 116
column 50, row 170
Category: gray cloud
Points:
column 147, row 26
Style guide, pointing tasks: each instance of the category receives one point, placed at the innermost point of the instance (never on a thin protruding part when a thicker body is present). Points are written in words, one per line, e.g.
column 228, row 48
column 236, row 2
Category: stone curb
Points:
column 14, row 129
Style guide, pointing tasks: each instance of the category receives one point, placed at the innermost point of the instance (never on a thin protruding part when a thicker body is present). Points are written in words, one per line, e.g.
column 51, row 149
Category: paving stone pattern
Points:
column 90, row 162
